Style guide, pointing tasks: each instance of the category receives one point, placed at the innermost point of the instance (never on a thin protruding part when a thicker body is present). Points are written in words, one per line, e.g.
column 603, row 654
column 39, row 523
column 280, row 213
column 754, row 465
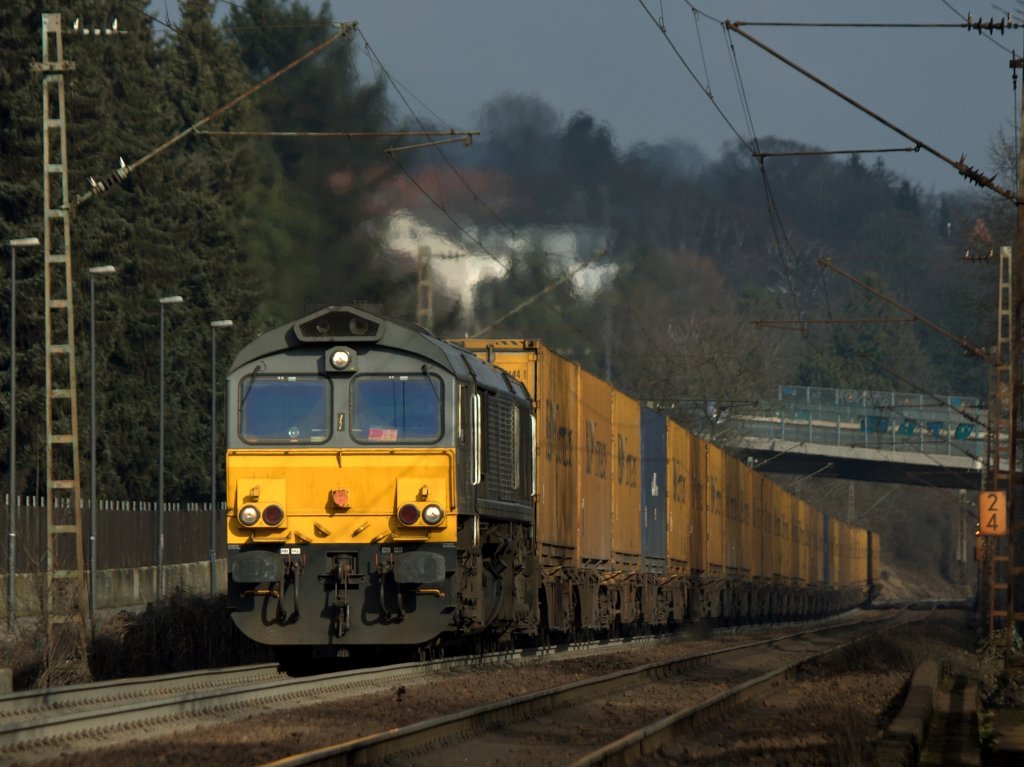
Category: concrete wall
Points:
column 120, row 588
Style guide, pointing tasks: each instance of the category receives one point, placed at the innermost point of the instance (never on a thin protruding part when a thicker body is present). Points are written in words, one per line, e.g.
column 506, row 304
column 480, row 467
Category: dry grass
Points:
column 182, row 633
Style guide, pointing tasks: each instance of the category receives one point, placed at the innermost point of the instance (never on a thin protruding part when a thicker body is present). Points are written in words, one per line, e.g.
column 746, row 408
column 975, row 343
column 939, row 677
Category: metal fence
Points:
column 902, row 422
column 822, row 396
column 126, row 533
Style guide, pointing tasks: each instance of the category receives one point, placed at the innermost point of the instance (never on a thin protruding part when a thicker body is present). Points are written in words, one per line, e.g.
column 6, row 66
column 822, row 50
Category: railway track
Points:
column 19, row 705
column 630, row 713
column 250, row 715
column 39, row 717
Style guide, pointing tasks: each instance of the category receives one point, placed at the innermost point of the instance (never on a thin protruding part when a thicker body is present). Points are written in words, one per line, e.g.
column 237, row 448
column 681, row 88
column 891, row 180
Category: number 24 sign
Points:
column 992, row 508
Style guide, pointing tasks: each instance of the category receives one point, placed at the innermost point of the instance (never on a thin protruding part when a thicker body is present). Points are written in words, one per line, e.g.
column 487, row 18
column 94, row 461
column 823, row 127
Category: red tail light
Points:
column 408, row 514
column 273, row 515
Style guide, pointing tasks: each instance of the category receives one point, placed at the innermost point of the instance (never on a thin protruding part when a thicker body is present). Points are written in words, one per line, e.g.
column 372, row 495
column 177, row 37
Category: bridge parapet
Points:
column 889, row 421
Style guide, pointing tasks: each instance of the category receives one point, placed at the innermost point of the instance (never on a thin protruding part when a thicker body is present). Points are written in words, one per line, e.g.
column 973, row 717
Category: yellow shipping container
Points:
column 746, row 502
column 840, row 552
column 782, row 553
column 768, row 539
column 698, row 508
column 779, row 499
column 597, row 470
column 733, row 527
column 714, row 503
column 876, row 558
column 802, row 536
column 792, row 539
column 816, row 569
column 553, row 383
column 680, row 498
column 860, row 556
column 757, row 530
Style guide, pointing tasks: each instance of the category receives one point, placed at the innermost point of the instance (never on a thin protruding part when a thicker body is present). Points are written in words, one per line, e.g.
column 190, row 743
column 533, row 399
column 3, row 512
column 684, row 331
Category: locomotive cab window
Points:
column 285, row 409
column 396, row 408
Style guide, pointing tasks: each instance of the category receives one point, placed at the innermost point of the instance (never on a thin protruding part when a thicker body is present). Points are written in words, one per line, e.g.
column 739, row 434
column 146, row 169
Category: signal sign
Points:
column 992, row 512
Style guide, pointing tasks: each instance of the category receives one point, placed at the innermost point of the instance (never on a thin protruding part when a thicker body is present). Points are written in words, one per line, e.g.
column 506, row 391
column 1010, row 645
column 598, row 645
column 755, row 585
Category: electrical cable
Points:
column 378, row 64
column 706, row 88
column 476, row 197
column 964, row 18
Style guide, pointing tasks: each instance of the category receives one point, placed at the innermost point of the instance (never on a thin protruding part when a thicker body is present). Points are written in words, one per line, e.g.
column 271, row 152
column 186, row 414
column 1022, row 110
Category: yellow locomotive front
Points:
column 342, row 494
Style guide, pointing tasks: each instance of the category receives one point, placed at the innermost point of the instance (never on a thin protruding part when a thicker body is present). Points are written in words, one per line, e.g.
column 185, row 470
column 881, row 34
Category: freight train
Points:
column 390, row 489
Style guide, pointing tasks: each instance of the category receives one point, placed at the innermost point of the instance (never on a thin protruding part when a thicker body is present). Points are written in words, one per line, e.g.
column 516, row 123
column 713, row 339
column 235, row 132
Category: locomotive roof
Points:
column 351, row 326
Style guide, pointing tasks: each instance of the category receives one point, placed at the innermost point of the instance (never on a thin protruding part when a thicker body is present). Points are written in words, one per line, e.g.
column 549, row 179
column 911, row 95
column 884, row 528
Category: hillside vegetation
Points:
column 650, row 264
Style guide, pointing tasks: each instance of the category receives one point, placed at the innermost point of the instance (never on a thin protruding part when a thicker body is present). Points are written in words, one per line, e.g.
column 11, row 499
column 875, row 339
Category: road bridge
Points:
column 874, row 436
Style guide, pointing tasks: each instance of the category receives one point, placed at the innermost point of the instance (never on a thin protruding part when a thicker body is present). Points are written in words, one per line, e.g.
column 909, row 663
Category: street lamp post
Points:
column 94, row 272
column 164, row 301
column 20, row 242
column 213, row 450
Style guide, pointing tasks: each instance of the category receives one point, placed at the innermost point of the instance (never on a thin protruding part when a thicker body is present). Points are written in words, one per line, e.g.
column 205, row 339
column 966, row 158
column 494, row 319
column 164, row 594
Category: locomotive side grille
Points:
column 501, row 449
column 338, row 325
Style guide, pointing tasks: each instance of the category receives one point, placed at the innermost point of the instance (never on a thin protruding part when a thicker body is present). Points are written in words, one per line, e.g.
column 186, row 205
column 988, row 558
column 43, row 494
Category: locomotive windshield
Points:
column 285, row 409
column 396, row 408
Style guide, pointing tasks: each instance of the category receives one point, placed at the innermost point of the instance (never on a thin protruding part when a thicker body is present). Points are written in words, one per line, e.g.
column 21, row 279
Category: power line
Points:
column 706, row 88
column 476, row 197
column 126, row 168
column 439, row 204
column 971, row 174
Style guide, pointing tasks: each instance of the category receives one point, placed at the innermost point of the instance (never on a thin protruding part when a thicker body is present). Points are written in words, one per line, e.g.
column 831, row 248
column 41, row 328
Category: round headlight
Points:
column 273, row 515
column 249, row 516
column 433, row 514
column 340, row 359
column 408, row 514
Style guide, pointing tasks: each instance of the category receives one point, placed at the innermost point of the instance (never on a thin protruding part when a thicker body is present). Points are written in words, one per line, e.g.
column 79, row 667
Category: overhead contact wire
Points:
column 375, row 61
column 476, row 197
column 782, row 242
column 682, row 60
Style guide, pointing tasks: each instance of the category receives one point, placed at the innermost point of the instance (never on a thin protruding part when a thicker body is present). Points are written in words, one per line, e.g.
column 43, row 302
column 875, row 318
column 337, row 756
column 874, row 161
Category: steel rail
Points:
column 36, row 728
column 491, row 716
column 34, row 701
column 64, row 712
column 633, row 747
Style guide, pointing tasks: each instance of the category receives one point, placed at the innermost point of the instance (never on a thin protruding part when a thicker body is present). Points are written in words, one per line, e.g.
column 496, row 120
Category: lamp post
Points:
column 94, row 272
column 19, row 242
column 213, row 450
column 164, row 301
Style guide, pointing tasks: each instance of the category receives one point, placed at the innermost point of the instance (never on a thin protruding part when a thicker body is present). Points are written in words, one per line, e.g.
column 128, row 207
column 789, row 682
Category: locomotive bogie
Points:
column 339, row 596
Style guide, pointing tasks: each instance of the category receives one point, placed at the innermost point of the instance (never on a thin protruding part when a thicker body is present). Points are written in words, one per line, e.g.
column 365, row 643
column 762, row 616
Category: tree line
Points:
column 685, row 252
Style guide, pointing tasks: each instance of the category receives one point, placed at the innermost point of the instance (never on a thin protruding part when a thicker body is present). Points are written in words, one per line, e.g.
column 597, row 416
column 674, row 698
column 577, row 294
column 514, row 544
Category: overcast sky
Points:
column 949, row 88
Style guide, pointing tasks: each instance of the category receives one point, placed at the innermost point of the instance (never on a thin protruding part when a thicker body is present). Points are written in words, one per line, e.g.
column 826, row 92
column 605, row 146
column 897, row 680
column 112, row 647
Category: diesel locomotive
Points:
column 387, row 488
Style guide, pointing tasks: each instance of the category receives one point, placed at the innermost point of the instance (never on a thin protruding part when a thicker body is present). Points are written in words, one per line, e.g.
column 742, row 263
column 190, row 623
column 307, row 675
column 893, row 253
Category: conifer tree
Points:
column 317, row 239
column 171, row 228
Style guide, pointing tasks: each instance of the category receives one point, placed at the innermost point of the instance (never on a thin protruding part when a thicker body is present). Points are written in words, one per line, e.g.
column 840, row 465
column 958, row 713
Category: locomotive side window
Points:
column 478, row 441
column 533, row 455
column 396, row 408
column 285, row 409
